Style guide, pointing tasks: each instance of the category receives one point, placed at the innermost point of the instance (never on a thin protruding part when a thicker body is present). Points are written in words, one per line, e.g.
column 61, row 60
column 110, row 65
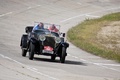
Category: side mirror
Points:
column 63, row 34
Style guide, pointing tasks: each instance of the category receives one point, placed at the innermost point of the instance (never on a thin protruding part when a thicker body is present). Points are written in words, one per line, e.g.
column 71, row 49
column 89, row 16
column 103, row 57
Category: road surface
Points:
column 15, row 15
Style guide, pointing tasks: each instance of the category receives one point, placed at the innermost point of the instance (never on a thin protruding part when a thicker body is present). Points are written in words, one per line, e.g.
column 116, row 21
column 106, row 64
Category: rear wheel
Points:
column 63, row 55
column 32, row 50
column 24, row 52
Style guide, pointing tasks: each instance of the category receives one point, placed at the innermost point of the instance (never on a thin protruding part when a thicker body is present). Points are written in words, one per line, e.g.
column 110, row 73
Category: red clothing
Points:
column 53, row 30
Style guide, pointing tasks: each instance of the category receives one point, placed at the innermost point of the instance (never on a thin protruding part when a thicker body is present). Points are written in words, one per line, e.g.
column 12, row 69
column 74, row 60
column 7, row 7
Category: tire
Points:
column 32, row 50
column 24, row 52
column 53, row 57
column 63, row 55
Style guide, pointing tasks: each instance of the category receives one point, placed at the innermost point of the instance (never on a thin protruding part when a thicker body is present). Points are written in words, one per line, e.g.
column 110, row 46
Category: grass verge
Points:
column 85, row 36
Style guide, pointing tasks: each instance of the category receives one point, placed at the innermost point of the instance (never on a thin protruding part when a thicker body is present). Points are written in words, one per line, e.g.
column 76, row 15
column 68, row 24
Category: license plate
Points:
column 46, row 51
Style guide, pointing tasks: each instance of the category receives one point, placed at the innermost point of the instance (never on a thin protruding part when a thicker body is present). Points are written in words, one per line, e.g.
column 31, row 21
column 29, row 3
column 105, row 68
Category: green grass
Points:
column 84, row 36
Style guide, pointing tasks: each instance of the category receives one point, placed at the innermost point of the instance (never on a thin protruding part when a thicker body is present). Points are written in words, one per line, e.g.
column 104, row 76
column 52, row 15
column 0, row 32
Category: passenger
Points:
column 39, row 26
column 53, row 28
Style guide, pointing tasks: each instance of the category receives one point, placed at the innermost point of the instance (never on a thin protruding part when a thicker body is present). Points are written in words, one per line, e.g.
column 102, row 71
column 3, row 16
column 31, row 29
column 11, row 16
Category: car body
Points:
column 44, row 42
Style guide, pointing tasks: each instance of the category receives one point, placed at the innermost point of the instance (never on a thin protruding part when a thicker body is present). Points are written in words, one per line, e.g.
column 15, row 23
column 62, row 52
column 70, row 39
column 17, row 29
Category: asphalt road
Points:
column 15, row 15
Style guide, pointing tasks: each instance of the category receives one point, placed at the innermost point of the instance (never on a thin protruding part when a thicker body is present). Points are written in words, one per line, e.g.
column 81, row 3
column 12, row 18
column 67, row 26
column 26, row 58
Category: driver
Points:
column 53, row 28
column 39, row 26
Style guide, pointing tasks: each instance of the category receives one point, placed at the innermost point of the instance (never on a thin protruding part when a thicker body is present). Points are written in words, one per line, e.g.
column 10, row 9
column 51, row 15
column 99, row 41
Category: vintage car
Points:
column 44, row 42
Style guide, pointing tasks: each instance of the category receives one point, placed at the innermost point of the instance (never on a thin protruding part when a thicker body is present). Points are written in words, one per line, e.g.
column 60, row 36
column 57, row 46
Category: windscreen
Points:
column 47, row 25
column 42, row 31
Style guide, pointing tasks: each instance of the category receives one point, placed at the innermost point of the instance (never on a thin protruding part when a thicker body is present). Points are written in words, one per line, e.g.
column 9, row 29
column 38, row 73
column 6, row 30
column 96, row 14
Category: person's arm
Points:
column 56, row 30
column 35, row 28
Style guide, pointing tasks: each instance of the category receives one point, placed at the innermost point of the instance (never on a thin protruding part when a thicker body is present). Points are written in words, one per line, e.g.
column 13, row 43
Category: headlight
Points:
column 42, row 37
column 57, row 40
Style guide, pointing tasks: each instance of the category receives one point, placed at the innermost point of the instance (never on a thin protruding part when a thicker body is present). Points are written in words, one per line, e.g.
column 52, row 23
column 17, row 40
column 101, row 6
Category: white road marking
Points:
column 117, row 65
column 99, row 64
column 92, row 16
column 79, row 3
column 13, row 11
column 29, row 7
column 33, row 7
column 72, row 56
column 88, row 4
column 44, row 74
column 88, row 14
column 104, row 1
column 83, row 60
column 28, row 67
column 71, row 18
column 38, row 5
column 6, row 14
column 106, row 67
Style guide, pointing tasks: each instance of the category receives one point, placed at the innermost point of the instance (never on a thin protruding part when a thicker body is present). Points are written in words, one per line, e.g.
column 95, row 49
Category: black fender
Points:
column 58, row 49
column 33, row 40
column 23, row 42
column 38, row 45
column 65, row 44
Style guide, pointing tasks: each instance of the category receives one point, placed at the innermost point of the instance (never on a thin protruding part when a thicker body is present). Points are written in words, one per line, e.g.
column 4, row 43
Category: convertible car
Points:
column 44, row 42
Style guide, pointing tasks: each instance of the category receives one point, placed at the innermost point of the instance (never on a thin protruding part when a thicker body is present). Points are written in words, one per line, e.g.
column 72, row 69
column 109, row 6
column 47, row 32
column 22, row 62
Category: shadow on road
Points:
column 46, row 60
column 58, row 61
column 75, row 62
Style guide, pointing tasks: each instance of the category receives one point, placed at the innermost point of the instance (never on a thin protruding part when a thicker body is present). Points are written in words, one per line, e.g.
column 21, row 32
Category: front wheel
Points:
column 32, row 50
column 63, row 55
column 24, row 52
